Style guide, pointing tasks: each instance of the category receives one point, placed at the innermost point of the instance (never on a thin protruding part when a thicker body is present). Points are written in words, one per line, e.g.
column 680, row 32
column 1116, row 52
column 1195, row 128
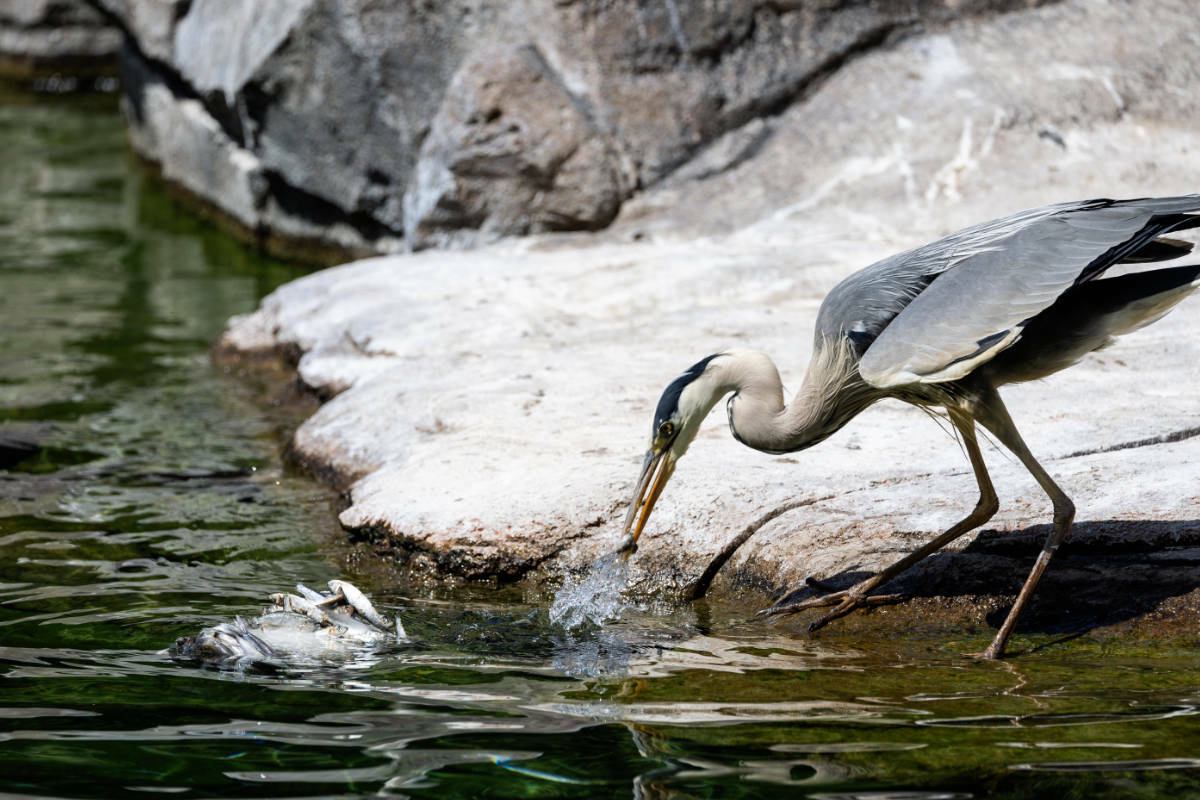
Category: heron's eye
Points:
column 665, row 430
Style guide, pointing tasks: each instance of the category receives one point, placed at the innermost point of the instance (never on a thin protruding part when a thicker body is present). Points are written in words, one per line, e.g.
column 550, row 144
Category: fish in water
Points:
column 307, row 625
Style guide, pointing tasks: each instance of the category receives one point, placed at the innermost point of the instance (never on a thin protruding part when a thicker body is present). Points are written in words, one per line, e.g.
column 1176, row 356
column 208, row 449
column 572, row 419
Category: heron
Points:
column 943, row 326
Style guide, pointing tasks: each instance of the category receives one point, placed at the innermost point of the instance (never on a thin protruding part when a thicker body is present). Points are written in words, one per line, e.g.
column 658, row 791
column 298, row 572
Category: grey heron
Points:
column 943, row 326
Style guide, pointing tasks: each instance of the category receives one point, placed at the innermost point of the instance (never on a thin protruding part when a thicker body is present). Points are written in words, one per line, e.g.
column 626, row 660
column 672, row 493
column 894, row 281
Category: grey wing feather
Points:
column 996, row 277
column 866, row 302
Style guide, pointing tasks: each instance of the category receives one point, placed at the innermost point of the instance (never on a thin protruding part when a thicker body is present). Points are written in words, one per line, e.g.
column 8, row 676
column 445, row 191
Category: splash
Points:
column 593, row 597
column 594, row 654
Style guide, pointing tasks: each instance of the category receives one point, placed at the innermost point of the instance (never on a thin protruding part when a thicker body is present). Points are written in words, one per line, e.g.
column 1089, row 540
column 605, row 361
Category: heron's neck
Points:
column 831, row 395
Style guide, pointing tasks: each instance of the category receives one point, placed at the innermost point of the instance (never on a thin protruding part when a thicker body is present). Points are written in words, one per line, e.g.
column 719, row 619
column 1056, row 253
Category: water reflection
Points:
column 1111, row 766
column 430, row 720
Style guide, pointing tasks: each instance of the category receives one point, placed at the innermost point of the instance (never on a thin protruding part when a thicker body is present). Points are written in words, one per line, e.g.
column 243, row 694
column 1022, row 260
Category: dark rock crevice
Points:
column 320, row 212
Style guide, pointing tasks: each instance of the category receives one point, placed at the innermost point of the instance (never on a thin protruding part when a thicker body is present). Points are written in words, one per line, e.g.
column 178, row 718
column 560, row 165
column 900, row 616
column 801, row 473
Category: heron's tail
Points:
column 1089, row 316
column 1129, row 302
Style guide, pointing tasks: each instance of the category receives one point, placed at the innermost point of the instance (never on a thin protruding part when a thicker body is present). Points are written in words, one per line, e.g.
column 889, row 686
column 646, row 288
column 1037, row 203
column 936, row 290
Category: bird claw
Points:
column 813, row 602
column 840, row 610
column 843, row 602
column 993, row 653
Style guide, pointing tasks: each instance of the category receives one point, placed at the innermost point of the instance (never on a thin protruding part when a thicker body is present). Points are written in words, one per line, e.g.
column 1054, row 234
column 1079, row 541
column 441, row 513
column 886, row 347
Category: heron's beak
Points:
column 656, row 471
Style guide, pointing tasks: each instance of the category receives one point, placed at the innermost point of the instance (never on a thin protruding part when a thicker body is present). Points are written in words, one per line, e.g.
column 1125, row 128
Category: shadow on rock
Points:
column 1107, row 572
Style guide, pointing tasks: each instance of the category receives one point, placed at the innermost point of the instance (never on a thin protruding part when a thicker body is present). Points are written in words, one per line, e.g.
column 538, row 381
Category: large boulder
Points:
column 512, row 151
column 488, row 410
column 465, row 121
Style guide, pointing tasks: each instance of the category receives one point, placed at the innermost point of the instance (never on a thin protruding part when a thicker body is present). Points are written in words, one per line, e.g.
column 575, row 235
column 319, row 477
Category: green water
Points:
column 150, row 500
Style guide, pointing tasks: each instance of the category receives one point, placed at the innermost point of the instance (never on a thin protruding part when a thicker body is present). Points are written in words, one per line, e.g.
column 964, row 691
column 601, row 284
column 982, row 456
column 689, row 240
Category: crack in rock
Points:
column 1166, row 438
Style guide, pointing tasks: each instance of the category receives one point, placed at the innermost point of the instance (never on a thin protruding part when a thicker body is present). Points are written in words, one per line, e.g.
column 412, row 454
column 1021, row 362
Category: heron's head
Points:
column 684, row 404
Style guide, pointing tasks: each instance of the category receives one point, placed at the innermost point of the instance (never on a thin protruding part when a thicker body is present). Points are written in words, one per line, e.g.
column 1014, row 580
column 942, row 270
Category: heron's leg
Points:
column 994, row 416
column 849, row 599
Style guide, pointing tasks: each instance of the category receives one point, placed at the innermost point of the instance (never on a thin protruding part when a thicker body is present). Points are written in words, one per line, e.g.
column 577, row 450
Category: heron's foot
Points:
column 994, row 652
column 986, row 655
column 843, row 603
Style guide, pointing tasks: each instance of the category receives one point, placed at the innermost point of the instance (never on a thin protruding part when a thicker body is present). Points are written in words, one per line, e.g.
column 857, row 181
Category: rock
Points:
column 192, row 149
column 931, row 121
column 42, row 37
column 302, row 91
column 194, row 152
column 316, row 111
column 512, row 152
column 489, row 409
column 19, row 442
column 149, row 23
column 456, row 123
column 219, row 46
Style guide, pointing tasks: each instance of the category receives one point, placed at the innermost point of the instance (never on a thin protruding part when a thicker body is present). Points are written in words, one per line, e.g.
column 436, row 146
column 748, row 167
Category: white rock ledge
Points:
column 489, row 411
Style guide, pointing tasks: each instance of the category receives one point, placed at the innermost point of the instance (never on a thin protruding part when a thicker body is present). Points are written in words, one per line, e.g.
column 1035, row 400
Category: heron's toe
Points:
column 830, row 599
column 840, row 610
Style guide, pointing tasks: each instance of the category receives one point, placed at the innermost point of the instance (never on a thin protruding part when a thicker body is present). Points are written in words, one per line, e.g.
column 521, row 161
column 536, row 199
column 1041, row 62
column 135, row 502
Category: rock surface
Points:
column 488, row 409
column 457, row 123
column 47, row 36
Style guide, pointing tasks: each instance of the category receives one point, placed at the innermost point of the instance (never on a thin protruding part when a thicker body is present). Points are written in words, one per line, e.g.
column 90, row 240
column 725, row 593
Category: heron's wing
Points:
column 996, row 277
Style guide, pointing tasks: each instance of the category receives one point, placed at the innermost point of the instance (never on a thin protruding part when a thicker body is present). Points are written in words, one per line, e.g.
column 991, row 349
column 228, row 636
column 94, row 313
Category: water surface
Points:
column 142, row 497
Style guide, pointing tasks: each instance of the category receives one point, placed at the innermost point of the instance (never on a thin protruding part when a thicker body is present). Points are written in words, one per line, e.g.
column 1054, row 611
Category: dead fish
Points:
column 299, row 605
column 226, row 642
column 361, row 604
column 311, row 625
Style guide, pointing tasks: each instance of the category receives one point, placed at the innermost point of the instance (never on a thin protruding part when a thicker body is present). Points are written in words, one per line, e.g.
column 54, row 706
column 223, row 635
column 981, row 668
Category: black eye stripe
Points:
column 668, row 404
